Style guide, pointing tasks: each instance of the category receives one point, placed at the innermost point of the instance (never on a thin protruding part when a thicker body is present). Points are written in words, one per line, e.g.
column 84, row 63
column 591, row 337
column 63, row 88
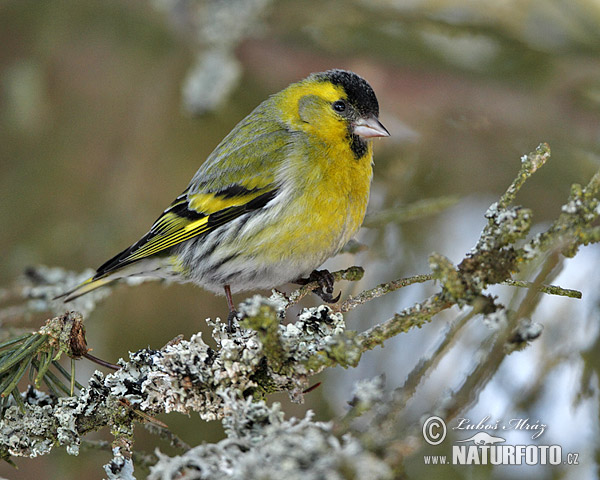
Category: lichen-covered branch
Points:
column 263, row 356
column 260, row 443
column 575, row 225
column 184, row 376
column 381, row 290
column 550, row 289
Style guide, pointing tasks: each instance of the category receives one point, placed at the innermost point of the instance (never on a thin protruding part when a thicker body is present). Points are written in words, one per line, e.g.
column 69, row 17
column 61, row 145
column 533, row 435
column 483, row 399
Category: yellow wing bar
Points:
column 171, row 237
column 180, row 223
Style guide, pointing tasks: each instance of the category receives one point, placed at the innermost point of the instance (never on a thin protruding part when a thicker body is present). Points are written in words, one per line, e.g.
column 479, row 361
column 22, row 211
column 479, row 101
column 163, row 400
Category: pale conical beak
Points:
column 369, row 127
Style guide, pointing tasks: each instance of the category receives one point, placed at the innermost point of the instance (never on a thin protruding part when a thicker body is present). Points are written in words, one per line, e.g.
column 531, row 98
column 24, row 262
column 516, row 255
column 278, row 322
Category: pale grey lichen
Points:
column 368, row 392
column 312, row 332
column 572, row 206
column 120, row 467
column 251, row 306
column 218, row 28
column 43, row 289
column 185, row 376
column 42, row 285
column 505, row 226
column 526, row 331
column 492, row 210
column 27, row 435
column 496, row 320
column 211, row 80
column 33, row 396
column 280, row 302
column 190, row 376
column 260, row 443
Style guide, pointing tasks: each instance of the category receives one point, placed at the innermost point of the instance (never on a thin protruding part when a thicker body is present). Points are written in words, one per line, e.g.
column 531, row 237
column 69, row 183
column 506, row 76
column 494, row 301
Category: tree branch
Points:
column 263, row 356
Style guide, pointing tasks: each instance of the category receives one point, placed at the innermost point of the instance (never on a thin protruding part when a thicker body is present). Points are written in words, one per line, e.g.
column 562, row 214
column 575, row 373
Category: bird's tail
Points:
column 85, row 287
column 147, row 267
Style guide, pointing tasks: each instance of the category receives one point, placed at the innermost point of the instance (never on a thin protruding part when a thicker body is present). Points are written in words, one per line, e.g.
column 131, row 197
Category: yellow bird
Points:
column 283, row 192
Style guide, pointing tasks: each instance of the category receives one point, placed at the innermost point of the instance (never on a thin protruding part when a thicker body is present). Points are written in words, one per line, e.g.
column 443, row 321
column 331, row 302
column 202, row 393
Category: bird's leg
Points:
column 325, row 280
column 232, row 310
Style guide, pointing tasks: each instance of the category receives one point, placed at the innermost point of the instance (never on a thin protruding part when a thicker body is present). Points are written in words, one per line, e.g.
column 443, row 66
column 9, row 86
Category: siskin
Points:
column 284, row 191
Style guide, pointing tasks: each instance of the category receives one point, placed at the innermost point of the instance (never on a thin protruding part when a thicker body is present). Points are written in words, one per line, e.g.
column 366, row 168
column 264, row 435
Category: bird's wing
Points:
column 181, row 221
column 251, row 155
column 240, row 176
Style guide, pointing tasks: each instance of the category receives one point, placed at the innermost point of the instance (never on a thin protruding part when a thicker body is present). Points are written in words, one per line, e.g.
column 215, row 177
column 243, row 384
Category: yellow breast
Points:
column 327, row 187
column 325, row 208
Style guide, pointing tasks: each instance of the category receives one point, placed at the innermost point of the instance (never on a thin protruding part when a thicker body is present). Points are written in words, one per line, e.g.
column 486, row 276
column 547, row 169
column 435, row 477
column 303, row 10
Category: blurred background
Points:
column 107, row 108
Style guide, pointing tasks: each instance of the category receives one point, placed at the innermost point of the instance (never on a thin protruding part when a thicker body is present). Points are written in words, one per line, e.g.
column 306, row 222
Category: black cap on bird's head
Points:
column 363, row 114
column 360, row 94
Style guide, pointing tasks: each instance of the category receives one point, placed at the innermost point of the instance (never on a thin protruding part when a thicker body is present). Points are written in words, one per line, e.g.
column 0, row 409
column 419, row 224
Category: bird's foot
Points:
column 325, row 280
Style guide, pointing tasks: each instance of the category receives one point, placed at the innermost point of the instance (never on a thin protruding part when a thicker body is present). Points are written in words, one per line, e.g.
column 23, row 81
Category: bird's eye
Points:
column 339, row 106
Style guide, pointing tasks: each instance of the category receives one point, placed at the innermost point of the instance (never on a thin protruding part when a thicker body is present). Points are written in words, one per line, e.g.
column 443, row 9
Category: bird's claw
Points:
column 325, row 280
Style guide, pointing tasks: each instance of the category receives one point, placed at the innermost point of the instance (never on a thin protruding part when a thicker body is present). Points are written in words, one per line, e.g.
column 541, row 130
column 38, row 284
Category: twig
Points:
column 380, row 290
column 99, row 361
column 495, row 353
column 415, row 316
column 529, row 165
column 140, row 458
column 549, row 289
column 165, row 433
